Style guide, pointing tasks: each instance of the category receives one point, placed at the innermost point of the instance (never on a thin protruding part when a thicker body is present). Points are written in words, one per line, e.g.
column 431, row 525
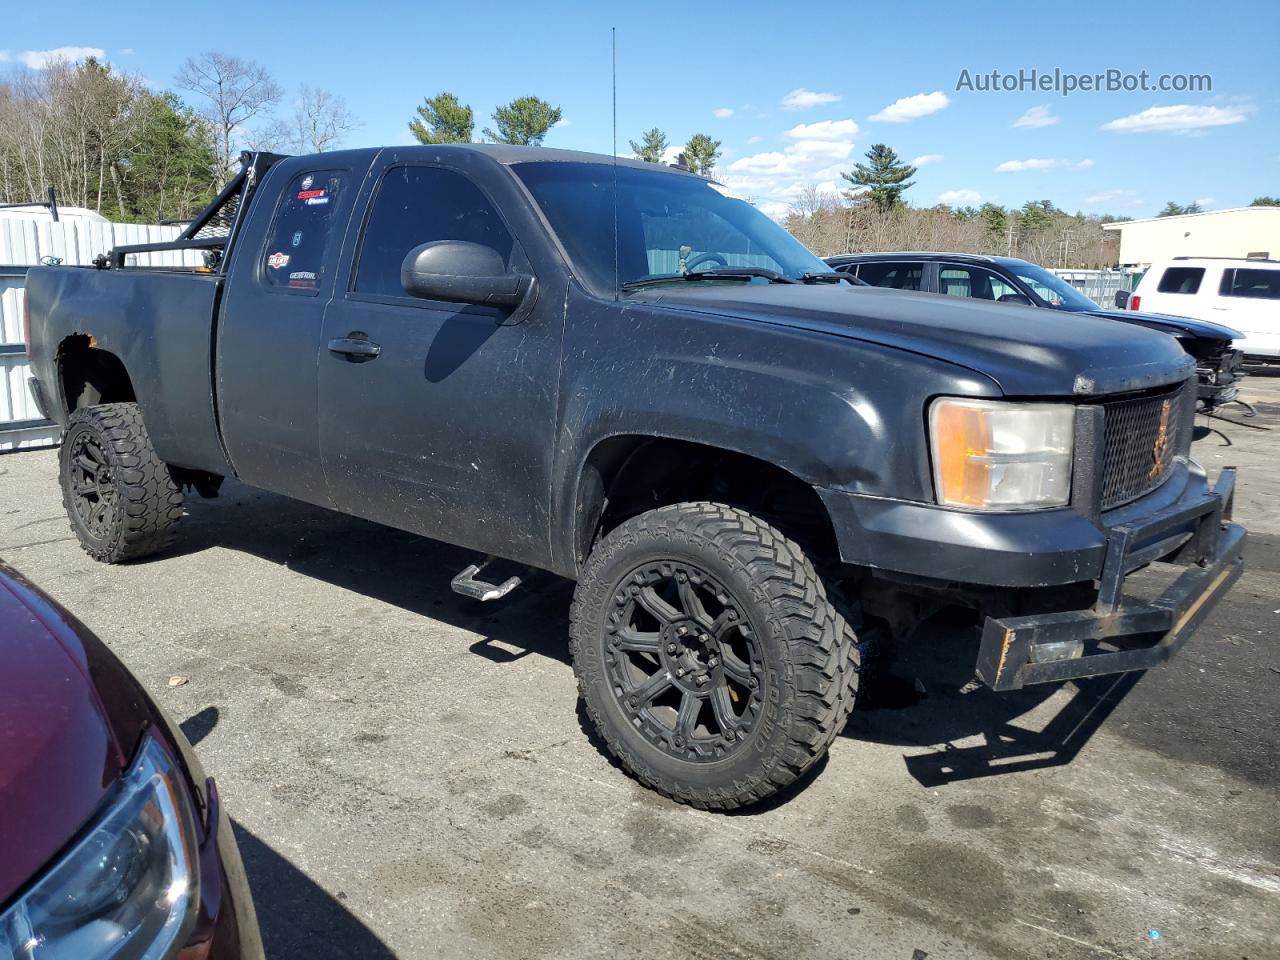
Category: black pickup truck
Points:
column 620, row 373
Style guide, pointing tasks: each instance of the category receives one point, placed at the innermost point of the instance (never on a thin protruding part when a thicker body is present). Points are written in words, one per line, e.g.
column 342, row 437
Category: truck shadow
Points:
column 929, row 698
column 371, row 560
column 413, row 573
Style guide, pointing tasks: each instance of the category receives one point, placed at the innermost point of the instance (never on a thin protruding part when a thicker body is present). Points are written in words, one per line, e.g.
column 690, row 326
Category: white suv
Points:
column 1244, row 294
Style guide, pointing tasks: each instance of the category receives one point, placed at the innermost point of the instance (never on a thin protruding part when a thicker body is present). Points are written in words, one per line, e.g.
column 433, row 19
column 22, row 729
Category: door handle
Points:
column 357, row 349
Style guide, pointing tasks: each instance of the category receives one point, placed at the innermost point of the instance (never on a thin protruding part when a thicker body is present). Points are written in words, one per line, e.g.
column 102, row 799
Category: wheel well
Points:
column 91, row 375
column 625, row 476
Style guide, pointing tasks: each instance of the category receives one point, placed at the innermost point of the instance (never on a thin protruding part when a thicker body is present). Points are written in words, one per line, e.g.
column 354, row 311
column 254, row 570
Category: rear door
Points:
column 280, row 280
column 1249, row 300
column 449, row 430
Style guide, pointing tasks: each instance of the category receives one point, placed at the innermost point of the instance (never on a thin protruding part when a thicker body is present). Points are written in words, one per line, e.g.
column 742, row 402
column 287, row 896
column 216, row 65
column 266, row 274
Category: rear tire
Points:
column 709, row 656
column 122, row 502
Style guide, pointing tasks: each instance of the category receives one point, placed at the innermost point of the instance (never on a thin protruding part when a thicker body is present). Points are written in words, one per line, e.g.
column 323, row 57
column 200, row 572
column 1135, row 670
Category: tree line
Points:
column 104, row 141
column 526, row 121
column 872, row 214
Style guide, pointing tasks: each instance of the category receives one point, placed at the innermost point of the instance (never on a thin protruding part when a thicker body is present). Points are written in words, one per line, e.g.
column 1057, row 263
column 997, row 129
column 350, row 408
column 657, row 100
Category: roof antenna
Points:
column 617, row 280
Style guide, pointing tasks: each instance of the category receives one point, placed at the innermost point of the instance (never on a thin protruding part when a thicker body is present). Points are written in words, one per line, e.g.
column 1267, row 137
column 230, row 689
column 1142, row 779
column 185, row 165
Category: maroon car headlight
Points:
column 128, row 887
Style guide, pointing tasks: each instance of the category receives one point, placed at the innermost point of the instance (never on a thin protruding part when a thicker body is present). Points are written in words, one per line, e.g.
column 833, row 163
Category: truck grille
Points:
column 1141, row 440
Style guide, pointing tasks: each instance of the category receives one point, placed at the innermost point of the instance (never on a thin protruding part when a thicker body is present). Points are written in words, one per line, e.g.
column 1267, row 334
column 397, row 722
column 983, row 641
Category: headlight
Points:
column 990, row 455
column 128, row 889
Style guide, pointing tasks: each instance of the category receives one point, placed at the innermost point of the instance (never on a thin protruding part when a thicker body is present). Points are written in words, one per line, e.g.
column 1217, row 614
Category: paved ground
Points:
column 410, row 775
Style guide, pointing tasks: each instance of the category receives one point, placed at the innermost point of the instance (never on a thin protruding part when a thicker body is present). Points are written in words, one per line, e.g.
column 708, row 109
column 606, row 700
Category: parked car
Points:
column 1243, row 293
column 1014, row 281
column 115, row 844
column 617, row 372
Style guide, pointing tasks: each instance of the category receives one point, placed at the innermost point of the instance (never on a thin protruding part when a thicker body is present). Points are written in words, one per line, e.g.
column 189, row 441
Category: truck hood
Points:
column 1177, row 326
column 62, row 745
column 1008, row 343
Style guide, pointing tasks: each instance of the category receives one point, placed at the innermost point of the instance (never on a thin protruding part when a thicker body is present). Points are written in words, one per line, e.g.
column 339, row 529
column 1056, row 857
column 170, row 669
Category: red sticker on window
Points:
column 278, row 260
column 308, row 194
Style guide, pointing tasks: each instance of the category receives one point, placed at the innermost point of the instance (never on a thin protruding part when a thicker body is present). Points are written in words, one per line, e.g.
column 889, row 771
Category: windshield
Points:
column 1052, row 289
column 669, row 225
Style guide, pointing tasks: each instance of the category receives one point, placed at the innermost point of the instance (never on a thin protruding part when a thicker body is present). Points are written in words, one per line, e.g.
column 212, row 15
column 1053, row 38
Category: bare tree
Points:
column 321, row 121
column 233, row 92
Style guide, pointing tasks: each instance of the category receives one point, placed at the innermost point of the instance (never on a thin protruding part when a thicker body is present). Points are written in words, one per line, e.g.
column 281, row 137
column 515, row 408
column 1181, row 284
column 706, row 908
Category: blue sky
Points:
column 795, row 97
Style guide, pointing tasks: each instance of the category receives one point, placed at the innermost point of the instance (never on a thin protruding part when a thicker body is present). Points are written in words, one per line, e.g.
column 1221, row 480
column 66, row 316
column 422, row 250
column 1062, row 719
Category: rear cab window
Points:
column 1185, row 280
column 898, row 276
column 1257, row 283
column 300, row 248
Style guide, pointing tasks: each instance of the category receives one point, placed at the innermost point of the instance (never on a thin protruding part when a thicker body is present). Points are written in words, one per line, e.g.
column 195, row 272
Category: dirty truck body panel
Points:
column 302, row 366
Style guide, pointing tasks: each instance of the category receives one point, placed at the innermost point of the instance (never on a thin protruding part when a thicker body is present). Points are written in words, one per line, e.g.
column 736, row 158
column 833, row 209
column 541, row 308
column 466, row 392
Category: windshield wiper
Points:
column 718, row 273
column 832, row 277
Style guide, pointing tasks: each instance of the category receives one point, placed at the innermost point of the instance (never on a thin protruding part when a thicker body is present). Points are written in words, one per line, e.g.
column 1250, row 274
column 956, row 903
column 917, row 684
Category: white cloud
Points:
column 954, row 197
column 1182, row 118
column 39, row 59
column 672, row 154
column 926, row 159
column 723, row 112
column 824, row 130
column 1017, row 166
column 1203, row 201
column 755, row 139
column 802, row 99
column 816, row 156
column 1037, row 117
column 1125, row 199
column 912, row 108
column 562, row 122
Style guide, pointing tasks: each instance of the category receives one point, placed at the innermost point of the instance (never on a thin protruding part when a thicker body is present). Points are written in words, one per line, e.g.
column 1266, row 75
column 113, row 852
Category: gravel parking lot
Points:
column 410, row 773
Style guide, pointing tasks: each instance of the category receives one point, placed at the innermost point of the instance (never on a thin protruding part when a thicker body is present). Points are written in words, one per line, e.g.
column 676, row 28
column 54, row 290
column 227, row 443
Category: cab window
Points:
column 413, row 206
column 1181, row 280
column 973, row 282
column 298, row 252
column 899, row 276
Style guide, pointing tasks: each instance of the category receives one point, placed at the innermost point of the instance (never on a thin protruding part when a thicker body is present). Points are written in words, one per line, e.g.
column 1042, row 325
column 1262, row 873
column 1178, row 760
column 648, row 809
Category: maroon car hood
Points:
column 60, row 747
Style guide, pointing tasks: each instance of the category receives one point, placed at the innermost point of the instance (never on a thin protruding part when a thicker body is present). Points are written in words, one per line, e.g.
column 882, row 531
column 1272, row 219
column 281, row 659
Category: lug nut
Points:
column 702, row 678
column 671, row 648
column 753, row 683
column 705, row 638
column 712, row 661
column 680, row 672
column 732, row 615
column 682, row 629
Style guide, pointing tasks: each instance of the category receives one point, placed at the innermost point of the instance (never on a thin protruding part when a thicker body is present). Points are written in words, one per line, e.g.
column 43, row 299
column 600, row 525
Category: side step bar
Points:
column 468, row 585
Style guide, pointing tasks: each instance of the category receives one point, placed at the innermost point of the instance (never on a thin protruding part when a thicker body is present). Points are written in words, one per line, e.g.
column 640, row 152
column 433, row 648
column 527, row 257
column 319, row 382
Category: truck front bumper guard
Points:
column 1017, row 651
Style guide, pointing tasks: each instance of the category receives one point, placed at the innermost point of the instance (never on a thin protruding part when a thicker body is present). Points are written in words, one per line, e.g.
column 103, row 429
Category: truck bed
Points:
column 160, row 324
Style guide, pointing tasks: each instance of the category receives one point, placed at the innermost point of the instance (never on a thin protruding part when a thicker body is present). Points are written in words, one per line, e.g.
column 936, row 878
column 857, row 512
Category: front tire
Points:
column 709, row 656
column 122, row 502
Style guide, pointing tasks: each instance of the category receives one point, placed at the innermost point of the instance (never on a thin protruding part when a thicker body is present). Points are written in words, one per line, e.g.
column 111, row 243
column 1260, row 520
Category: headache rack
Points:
column 216, row 225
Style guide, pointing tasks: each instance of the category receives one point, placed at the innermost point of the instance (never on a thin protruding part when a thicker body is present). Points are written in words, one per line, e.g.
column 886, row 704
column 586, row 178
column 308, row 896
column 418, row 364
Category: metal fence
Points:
column 1100, row 286
column 24, row 243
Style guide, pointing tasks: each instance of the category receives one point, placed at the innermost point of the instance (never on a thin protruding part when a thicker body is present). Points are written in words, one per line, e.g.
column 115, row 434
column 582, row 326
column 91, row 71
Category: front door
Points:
column 444, row 423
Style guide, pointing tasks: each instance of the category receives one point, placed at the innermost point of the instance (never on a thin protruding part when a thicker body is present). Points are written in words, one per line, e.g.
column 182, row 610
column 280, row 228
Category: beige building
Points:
column 1239, row 232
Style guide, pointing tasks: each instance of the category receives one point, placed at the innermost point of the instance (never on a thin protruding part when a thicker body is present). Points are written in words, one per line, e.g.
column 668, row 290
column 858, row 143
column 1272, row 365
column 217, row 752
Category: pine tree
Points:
column 1265, row 202
column 443, row 119
column 884, row 176
column 523, row 121
column 701, row 154
column 652, row 146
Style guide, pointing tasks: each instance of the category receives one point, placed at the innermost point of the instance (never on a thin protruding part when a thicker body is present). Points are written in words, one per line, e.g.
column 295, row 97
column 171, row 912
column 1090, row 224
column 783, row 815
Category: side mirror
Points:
column 1015, row 298
column 460, row 272
column 1122, row 299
